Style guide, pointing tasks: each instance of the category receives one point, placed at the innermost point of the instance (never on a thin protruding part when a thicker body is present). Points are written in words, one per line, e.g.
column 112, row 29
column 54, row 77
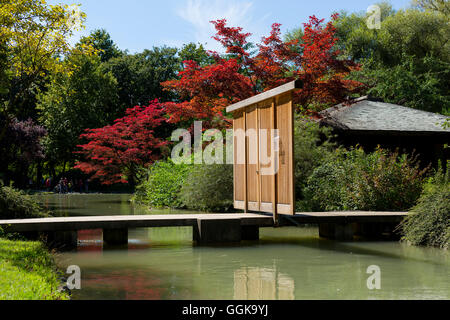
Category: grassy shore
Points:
column 28, row 272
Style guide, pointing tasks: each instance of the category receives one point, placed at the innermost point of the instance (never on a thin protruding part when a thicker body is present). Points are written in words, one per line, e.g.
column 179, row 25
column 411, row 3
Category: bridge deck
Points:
column 177, row 220
column 348, row 217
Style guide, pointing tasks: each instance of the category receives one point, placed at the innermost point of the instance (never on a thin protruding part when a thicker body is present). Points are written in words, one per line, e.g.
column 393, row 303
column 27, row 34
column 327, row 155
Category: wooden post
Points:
column 291, row 160
column 246, row 162
column 274, row 178
column 258, row 170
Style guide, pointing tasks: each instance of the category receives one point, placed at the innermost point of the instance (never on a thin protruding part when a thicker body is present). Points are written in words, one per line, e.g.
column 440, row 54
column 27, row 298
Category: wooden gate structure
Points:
column 263, row 129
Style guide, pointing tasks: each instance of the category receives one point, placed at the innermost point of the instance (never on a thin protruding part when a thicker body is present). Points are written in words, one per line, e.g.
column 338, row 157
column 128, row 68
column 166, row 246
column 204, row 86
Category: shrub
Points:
column 324, row 191
column 354, row 180
column 15, row 204
column 429, row 221
column 312, row 146
column 162, row 187
column 209, row 188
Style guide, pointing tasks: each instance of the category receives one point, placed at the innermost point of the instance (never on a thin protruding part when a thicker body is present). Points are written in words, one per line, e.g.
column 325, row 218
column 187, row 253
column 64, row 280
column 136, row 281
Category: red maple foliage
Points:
column 204, row 92
column 323, row 73
column 117, row 150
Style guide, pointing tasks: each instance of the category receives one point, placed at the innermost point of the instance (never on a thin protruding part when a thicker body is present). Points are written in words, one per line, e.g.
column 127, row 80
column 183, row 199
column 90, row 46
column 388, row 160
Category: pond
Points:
column 287, row 263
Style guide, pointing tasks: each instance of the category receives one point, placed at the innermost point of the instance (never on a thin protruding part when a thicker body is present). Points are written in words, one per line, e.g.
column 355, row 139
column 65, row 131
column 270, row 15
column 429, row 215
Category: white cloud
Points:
column 199, row 13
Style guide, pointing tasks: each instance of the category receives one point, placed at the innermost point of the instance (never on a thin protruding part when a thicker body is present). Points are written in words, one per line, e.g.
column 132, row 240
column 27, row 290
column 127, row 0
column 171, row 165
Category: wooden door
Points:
column 263, row 157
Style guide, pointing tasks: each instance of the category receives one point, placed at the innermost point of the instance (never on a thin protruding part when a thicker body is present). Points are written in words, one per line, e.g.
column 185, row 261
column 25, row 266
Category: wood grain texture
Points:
column 257, row 123
column 239, row 166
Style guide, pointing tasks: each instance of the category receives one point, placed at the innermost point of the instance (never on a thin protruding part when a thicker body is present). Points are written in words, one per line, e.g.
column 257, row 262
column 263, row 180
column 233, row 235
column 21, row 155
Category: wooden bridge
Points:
column 207, row 228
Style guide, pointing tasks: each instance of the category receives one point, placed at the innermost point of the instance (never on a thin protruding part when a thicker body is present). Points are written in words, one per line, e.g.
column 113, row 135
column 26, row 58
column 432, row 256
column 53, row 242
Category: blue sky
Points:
column 139, row 24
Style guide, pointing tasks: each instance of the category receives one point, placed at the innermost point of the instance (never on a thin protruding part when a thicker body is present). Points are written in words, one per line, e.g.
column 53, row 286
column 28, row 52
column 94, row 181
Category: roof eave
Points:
column 290, row 86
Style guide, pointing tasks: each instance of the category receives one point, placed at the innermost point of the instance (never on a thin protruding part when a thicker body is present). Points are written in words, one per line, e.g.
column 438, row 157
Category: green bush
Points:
column 312, row 146
column 163, row 185
column 354, row 180
column 429, row 221
column 209, row 188
column 324, row 190
column 15, row 204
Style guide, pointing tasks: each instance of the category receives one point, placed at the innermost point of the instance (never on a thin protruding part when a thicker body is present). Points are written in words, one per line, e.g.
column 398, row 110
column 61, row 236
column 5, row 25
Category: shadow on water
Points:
column 112, row 202
column 349, row 247
column 57, row 208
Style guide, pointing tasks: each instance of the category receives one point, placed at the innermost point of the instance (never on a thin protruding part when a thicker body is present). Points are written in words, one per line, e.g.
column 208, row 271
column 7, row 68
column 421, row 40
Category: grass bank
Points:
column 27, row 269
column 28, row 272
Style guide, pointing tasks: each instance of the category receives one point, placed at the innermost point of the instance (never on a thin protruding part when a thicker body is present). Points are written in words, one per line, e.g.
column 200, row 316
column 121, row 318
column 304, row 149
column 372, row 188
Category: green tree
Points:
column 86, row 98
column 404, row 85
column 101, row 41
column 139, row 75
column 441, row 6
column 406, row 61
column 35, row 36
column 4, row 72
column 192, row 51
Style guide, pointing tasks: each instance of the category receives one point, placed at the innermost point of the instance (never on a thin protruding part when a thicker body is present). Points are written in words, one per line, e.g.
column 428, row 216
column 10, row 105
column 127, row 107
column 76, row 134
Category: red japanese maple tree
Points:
column 204, row 92
column 114, row 152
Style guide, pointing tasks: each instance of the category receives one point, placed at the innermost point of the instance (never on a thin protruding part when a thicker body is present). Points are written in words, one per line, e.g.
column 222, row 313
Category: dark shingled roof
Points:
column 366, row 114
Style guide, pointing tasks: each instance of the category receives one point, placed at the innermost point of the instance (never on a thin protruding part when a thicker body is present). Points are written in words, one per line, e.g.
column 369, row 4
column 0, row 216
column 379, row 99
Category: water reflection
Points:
column 262, row 284
column 96, row 204
column 287, row 263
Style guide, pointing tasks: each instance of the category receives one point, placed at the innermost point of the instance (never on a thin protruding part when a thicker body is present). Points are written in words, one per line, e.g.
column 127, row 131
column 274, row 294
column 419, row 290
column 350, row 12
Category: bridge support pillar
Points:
column 217, row 231
column 378, row 230
column 62, row 240
column 249, row 233
column 336, row 231
column 115, row 236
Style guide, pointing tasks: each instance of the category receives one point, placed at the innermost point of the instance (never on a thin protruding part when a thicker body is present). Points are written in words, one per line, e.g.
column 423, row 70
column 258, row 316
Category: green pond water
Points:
column 287, row 263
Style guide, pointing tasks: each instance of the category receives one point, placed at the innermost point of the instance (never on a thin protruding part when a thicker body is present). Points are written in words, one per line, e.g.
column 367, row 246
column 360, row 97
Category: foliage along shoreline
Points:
column 28, row 272
column 27, row 268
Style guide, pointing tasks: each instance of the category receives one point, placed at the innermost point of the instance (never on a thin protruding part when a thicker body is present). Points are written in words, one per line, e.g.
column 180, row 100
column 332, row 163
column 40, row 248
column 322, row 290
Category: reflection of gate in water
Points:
column 262, row 284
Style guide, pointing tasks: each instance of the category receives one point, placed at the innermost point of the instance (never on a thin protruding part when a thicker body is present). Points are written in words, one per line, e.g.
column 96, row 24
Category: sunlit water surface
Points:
column 287, row 263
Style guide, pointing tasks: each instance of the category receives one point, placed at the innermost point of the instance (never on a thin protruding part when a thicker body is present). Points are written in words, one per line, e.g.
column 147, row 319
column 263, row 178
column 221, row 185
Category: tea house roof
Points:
column 368, row 114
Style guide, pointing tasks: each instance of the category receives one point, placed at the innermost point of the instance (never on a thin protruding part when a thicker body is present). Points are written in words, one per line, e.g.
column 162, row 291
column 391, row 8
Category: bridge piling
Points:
column 62, row 240
column 115, row 236
column 249, row 233
column 337, row 231
column 208, row 231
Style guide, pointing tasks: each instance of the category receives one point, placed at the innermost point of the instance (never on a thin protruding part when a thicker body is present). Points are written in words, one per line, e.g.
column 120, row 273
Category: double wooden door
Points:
column 263, row 157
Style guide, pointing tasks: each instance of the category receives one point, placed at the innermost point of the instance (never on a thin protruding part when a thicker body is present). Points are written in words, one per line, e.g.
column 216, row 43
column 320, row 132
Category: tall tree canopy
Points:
column 101, row 41
column 85, row 98
column 33, row 37
column 407, row 60
column 139, row 75
column 441, row 6
column 204, row 91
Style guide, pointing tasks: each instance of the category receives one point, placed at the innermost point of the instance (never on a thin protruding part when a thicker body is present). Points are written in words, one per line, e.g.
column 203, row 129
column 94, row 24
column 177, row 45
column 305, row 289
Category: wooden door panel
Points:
column 285, row 176
column 252, row 189
column 252, row 155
